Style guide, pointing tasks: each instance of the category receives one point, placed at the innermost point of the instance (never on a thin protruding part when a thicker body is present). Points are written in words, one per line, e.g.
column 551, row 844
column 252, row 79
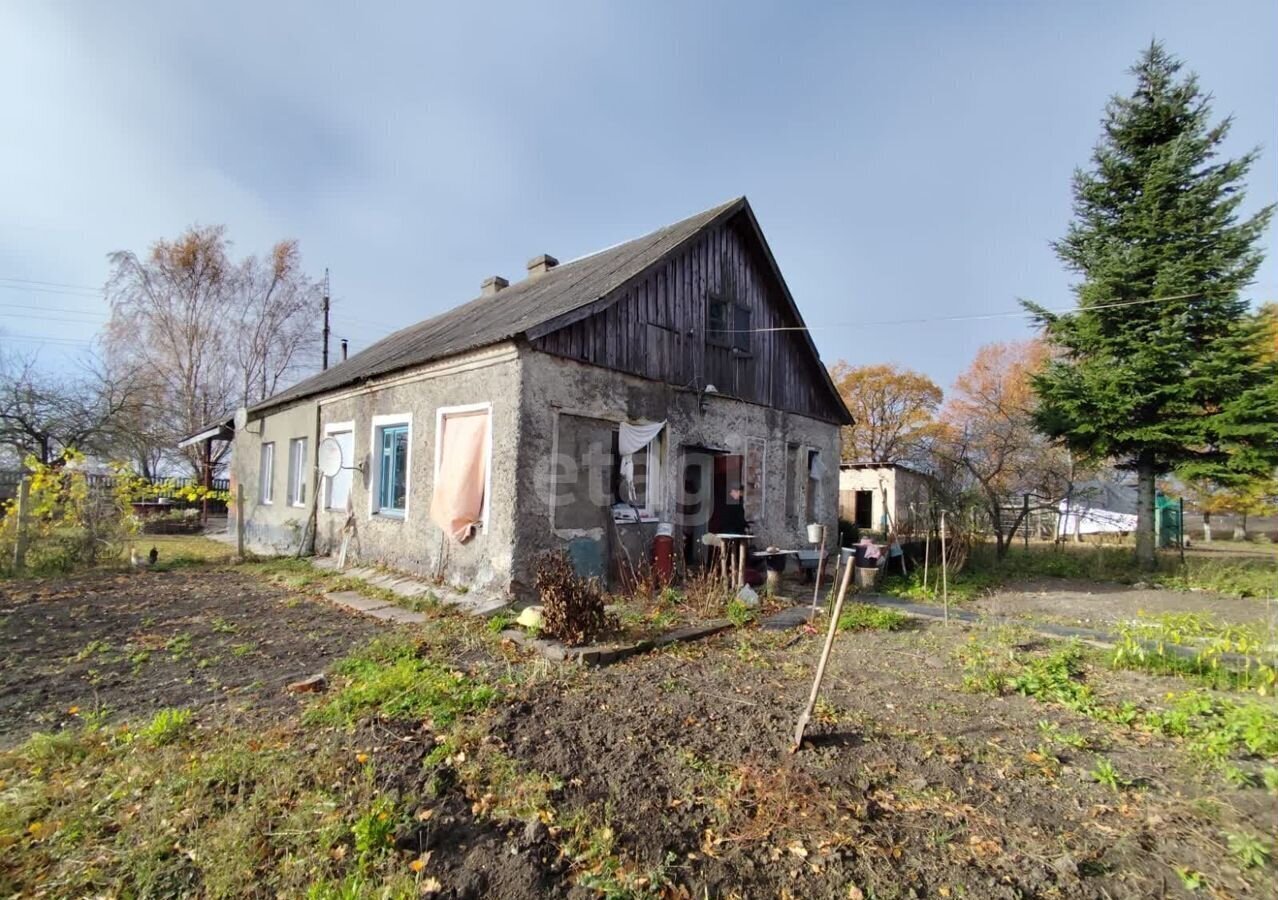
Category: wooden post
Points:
column 239, row 519
column 310, row 517
column 825, row 658
column 1181, row 526
column 927, row 551
column 945, row 580
column 820, row 571
column 20, row 541
column 1025, row 518
column 207, row 481
column 741, row 562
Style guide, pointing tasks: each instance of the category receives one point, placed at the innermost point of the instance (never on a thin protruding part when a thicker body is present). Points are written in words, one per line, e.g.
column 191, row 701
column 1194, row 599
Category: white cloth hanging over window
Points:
column 816, row 469
column 630, row 440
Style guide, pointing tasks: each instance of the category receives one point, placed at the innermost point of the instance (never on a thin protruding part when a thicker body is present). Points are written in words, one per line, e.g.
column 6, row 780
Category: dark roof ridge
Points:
column 490, row 319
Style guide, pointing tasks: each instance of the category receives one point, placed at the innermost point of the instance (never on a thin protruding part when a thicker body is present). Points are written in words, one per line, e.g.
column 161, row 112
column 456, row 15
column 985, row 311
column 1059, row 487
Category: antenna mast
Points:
column 324, row 351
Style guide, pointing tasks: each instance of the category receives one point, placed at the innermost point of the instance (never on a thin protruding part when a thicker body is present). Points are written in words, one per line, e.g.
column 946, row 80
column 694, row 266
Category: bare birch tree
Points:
column 206, row 333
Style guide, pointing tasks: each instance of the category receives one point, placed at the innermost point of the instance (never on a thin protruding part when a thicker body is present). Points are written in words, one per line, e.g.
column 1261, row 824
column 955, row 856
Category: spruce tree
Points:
column 1162, row 367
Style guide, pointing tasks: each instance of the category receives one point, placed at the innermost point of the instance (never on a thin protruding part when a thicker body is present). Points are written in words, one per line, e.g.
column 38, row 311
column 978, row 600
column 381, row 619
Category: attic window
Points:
column 728, row 325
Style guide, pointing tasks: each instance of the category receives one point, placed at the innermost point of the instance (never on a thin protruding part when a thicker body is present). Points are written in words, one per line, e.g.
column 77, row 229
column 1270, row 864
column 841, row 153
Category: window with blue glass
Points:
column 392, row 470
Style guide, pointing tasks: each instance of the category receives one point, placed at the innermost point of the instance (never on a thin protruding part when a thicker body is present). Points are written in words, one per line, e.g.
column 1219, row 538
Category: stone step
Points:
column 470, row 602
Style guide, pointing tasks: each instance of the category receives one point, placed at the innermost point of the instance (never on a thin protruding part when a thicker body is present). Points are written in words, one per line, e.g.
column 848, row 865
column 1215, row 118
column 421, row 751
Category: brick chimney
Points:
column 492, row 284
column 540, row 265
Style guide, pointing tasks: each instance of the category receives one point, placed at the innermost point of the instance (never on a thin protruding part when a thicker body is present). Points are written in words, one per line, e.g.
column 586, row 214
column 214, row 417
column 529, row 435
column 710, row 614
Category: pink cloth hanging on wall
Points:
column 458, row 502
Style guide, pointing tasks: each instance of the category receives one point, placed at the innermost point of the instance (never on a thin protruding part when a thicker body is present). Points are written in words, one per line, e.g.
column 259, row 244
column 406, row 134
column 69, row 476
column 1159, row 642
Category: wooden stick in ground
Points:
column 741, row 562
column 927, row 549
column 838, row 562
column 820, row 570
column 311, row 524
column 20, row 539
column 825, row 658
column 239, row 520
column 945, row 579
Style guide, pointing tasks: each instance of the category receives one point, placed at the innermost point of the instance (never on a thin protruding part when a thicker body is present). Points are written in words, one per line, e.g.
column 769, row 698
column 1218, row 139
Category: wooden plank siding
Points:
column 655, row 327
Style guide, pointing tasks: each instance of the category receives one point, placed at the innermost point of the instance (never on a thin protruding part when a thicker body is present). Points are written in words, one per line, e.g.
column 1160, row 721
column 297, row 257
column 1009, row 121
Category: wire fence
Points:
column 11, row 478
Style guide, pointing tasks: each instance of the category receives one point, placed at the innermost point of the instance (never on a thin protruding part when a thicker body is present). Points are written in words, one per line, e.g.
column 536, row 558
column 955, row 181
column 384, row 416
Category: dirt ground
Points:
column 1095, row 605
column 130, row 644
column 910, row 786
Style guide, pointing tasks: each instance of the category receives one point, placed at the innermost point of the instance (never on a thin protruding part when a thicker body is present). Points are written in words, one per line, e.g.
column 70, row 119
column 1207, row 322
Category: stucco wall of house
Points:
column 274, row 527
column 413, row 542
column 555, row 387
column 529, row 392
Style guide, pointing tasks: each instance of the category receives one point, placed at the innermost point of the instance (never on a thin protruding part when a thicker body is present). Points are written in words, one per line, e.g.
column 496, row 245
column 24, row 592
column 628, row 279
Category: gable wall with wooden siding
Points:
column 657, row 328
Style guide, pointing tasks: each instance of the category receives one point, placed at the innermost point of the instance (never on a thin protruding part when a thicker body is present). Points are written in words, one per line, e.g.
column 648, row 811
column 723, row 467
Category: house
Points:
column 885, row 497
column 665, row 381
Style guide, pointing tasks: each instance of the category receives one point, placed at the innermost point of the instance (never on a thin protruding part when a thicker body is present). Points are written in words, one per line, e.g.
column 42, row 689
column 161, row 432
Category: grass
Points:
column 865, row 617
column 1213, row 728
column 166, row 726
column 179, row 551
column 389, row 679
column 1234, row 576
column 1223, row 655
column 102, row 811
column 1105, row 774
column 160, row 808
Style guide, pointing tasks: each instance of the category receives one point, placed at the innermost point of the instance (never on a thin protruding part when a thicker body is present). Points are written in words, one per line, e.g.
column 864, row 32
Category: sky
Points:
column 906, row 160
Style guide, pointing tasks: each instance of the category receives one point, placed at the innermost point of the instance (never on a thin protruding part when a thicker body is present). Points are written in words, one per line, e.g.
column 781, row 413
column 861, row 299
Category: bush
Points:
column 864, row 617
column 738, row 613
column 72, row 520
column 572, row 606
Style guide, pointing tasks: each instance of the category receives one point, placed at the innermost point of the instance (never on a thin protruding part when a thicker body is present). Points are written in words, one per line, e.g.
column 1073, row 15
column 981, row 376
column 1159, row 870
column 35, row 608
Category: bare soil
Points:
column 908, row 787
column 1097, row 605
column 131, row 644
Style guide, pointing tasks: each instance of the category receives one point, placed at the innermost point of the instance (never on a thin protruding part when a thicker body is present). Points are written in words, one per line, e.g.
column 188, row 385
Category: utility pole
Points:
column 324, row 352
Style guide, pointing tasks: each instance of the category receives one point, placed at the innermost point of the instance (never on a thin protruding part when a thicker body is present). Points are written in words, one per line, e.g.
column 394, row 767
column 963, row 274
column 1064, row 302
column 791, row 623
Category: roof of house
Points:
column 868, row 464
column 517, row 309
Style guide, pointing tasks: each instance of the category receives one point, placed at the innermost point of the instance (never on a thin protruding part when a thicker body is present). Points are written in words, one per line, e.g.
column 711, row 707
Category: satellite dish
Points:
column 329, row 457
column 241, row 418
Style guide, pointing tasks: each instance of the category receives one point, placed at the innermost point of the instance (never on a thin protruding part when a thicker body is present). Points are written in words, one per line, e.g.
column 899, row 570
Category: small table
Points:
column 774, row 562
column 732, row 558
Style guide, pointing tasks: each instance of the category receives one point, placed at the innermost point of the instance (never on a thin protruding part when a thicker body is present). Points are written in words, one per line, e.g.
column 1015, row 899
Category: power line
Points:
column 55, row 309
column 961, row 318
column 57, row 284
column 40, row 339
column 24, row 289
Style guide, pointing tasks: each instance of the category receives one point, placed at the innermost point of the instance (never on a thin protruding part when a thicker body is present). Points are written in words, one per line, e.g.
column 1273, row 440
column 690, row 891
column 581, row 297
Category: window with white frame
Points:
column 337, row 488
column 297, row 472
column 391, row 441
column 266, row 474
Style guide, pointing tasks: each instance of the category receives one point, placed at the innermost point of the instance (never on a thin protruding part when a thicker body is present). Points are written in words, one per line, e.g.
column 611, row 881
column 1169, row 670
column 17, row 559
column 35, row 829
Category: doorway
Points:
column 711, row 501
column 864, row 509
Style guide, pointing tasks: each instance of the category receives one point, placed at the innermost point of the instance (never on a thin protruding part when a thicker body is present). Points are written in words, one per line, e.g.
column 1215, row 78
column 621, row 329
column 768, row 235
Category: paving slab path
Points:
column 474, row 603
